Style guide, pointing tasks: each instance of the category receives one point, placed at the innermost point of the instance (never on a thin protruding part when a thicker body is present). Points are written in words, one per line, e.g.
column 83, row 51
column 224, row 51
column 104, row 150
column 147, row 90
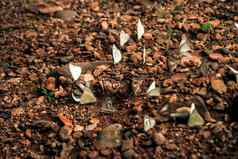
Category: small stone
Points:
column 43, row 125
column 5, row 114
column 66, row 15
column 110, row 137
column 95, row 6
column 93, row 154
column 148, row 36
column 106, row 152
column 104, row 25
column 30, row 34
column 65, row 133
column 40, row 100
column 17, row 111
column 78, row 128
column 136, row 57
column 130, row 154
column 76, row 50
column 206, row 134
column 66, row 150
column 159, row 138
column 127, row 144
column 28, row 133
column 172, row 146
column 66, row 59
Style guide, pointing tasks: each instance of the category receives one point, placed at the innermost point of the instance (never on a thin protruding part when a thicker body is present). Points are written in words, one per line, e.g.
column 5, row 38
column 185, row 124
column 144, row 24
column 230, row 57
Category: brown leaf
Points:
column 64, row 119
column 216, row 57
column 218, row 85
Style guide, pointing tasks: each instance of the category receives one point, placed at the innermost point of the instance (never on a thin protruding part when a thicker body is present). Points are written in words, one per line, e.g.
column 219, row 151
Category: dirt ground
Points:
column 39, row 119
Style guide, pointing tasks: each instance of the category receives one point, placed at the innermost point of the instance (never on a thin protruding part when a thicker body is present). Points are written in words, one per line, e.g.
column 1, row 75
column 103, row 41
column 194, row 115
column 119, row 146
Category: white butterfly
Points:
column 124, row 37
column 140, row 30
column 153, row 90
column 116, row 54
column 75, row 71
column 184, row 45
column 148, row 122
column 236, row 25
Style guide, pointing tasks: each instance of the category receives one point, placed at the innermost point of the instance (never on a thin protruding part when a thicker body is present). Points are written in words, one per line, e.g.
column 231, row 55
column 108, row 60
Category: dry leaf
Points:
column 87, row 96
column 153, row 90
column 140, row 30
column 64, row 119
column 116, row 53
column 195, row 118
column 218, row 85
column 151, row 87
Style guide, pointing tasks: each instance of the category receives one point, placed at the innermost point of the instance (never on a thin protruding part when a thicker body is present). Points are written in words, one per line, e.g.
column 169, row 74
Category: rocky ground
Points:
column 172, row 94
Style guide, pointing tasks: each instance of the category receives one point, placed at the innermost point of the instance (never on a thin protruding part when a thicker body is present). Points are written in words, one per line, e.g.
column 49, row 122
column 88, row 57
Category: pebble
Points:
column 172, row 146
column 130, row 154
column 106, row 152
column 17, row 111
column 65, row 133
column 148, row 36
column 206, row 134
column 5, row 114
column 127, row 144
column 159, row 138
column 93, row 154
column 66, row 59
column 110, row 137
column 66, row 15
column 104, row 25
column 45, row 125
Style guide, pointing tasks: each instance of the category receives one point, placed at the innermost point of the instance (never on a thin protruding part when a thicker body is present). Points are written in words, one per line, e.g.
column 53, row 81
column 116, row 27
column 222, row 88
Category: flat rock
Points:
column 159, row 138
column 110, row 137
column 66, row 15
